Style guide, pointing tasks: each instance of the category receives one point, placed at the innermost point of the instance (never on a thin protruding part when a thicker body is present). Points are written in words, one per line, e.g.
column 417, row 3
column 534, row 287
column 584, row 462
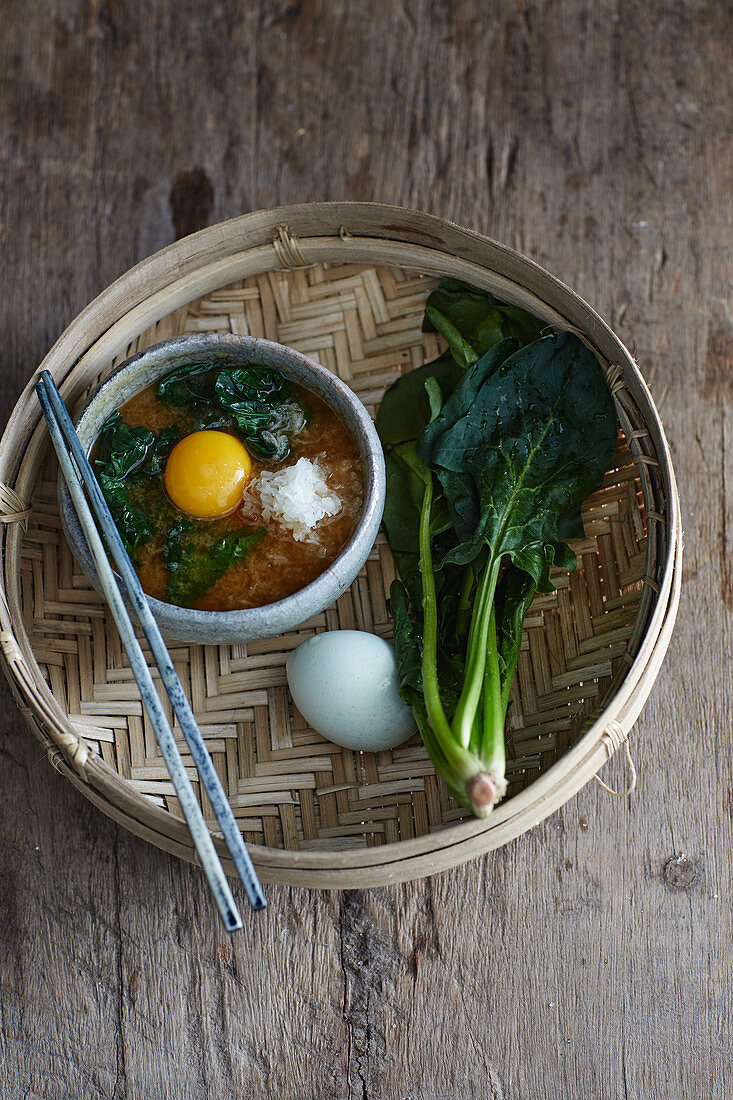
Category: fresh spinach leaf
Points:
column 514, row 595
column 408, row 649
column 472, row 320
column 405, row 408
column 486, row 474
column 519, row 454
column 406, row 476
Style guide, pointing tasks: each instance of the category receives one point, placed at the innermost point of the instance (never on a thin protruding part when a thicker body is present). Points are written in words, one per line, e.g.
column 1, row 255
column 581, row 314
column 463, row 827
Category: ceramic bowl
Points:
column 214, row 627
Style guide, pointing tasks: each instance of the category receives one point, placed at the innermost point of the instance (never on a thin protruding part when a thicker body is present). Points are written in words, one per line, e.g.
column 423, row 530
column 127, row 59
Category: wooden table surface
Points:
column 591, row 957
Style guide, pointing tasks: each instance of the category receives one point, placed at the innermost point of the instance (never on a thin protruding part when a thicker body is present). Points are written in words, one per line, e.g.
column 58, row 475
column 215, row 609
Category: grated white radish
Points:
column 298, row 498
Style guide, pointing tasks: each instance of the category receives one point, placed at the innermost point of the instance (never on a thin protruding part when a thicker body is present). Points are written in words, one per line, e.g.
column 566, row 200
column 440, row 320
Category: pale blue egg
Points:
column 344, row 683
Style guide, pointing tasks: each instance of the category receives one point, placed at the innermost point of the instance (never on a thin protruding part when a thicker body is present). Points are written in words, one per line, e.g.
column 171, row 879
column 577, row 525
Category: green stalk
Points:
column 493, row 750
column 478, row 638
column 460, row 761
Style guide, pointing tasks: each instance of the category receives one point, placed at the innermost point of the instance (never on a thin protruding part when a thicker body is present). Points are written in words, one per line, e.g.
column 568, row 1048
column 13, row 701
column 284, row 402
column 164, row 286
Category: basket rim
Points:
column 249, row 231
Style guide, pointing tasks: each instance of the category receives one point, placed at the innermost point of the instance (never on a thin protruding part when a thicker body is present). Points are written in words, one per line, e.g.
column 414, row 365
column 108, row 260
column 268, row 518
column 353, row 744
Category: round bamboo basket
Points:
column 345, row 283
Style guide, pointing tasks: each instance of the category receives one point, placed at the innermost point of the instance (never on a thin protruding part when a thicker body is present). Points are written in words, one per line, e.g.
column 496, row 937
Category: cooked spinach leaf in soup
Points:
column 197, row 556
column 253, row 402
column 127, row 459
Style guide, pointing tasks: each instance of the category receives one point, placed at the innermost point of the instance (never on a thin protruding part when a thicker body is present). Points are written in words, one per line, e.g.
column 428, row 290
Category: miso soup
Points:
column 232, row 487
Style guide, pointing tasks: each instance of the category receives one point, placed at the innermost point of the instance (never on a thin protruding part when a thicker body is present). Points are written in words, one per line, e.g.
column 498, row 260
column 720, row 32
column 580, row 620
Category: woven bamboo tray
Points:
column 346, row 284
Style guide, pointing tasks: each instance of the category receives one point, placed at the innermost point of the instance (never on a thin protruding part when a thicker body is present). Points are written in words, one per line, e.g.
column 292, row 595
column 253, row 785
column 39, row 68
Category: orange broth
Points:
column 279, row 565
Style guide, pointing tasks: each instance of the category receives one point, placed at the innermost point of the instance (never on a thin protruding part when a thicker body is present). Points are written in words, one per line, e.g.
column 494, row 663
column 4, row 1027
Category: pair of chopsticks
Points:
column 74, row 463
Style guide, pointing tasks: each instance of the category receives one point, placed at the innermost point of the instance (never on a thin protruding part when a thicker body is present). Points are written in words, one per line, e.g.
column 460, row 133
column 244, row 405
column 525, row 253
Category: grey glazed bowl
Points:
column 184, row 624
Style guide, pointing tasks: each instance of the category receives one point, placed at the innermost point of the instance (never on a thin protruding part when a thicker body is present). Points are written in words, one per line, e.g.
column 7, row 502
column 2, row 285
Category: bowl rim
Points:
column 371, row 455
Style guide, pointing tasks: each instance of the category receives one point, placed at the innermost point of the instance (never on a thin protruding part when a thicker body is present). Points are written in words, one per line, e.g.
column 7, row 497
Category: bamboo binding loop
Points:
column 345, row 283
column 632, row 776
column 12, row 508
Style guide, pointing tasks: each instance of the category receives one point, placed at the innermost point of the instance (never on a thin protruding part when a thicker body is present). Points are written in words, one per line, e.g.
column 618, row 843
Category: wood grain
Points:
column 591, row 957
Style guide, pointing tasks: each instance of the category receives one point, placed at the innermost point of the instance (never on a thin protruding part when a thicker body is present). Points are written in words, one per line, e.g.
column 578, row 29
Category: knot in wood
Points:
column 680, row 873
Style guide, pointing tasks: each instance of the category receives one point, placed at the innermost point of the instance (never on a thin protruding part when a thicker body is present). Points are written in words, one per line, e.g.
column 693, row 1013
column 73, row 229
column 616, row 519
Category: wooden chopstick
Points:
column 65, row 440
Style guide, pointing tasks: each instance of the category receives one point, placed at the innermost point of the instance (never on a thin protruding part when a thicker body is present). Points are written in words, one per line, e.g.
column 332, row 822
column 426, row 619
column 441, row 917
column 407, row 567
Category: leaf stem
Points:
column 454, row 752
column 478, row 637
column 493, row 750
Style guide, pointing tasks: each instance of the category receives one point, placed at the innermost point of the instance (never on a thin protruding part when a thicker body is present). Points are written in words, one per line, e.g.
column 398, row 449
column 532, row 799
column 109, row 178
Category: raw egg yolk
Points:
column 206, row 473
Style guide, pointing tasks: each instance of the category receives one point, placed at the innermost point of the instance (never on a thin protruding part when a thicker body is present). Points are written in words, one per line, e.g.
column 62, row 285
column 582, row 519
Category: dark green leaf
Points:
column 472, row 320
column 510, row 449
column 408, row 567
column 187, row 385
column 401, row 516
column 255, row 399
column 174, row 542
column 123, row 453
column 123, row 449
column 406, row 478
column 514, row 596
column 234, row 384
column 532, row 442
column 408, row 648
column 455, row 406
column 159, row 451
column 405, row 408
column 252, row 401
column 132, row 522
column 435, row 396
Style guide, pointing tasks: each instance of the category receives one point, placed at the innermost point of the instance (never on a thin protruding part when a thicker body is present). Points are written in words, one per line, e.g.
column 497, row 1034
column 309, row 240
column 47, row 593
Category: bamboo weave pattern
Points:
column 288, row 787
